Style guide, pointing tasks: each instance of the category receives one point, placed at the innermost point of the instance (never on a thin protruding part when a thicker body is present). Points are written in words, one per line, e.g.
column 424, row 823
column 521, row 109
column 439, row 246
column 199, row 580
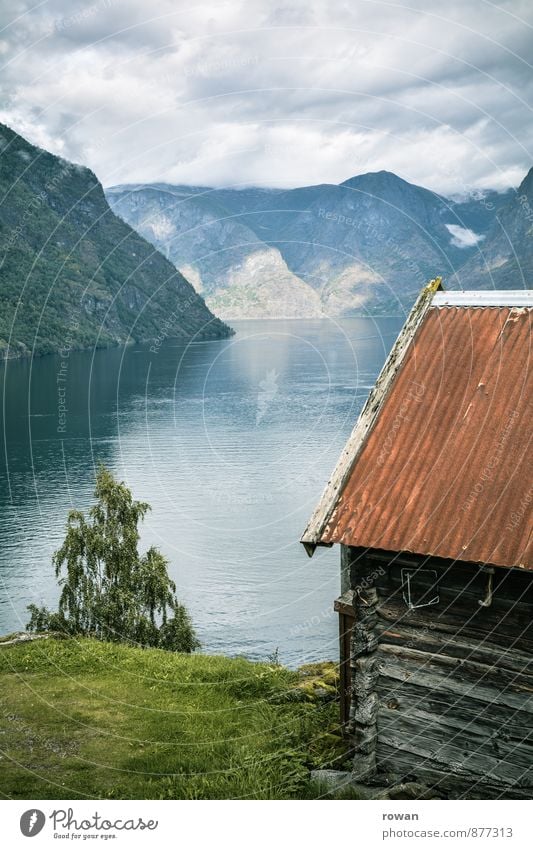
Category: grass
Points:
column 81, row 718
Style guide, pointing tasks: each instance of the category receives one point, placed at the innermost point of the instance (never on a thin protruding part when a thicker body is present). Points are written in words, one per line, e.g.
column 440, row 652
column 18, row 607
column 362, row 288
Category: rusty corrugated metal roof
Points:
column 445, row 468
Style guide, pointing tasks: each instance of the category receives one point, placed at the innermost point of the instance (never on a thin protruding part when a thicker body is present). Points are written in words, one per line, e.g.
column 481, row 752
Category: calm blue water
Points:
column 231, row 442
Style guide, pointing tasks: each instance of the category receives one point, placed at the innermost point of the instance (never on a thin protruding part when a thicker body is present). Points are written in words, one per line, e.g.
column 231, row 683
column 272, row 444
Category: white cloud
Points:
column 463, row 237
column 275, row 93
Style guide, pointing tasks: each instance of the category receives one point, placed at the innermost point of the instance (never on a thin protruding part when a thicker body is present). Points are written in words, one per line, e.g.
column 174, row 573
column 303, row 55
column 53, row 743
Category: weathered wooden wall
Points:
column 455, row 679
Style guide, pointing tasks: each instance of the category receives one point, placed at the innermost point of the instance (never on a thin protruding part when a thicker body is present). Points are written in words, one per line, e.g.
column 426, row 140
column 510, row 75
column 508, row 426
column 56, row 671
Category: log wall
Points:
column 453, row 681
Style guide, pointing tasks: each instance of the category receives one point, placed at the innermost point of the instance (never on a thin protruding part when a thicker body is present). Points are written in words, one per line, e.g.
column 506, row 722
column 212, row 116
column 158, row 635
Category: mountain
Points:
column 376, row 239
column 240, row 275
column 373, row 241
column 75, row 275
column 505, row 260
column 369, row 243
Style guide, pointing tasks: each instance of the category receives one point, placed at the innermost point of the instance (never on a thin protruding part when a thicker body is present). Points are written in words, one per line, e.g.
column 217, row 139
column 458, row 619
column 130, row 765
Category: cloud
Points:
column 463, row 237
column 276, row 94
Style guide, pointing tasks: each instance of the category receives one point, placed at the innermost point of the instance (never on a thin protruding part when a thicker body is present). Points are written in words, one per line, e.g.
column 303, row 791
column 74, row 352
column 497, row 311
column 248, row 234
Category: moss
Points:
column 319, row 681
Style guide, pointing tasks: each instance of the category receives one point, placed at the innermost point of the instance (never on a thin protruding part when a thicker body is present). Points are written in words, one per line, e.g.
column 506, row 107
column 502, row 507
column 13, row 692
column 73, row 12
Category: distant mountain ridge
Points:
column 506, row 258
column 73, row 274
column 239, row 274
column 368, row 244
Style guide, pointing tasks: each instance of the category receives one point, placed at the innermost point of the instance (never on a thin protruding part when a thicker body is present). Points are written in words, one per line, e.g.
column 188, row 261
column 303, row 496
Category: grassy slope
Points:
column 83, row 718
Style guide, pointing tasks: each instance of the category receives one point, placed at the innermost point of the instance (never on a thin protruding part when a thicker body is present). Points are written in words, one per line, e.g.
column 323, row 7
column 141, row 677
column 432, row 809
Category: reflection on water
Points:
column 230, row 441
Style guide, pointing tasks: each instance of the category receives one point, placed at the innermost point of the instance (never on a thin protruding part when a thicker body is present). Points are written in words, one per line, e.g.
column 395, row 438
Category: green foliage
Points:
column 109, row 590
column 106, row 720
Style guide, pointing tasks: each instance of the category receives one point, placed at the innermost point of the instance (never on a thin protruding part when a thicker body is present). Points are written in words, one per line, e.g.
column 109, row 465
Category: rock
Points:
column 319, row 681
column 331, row 780
column 25, row 637
column 411, row 790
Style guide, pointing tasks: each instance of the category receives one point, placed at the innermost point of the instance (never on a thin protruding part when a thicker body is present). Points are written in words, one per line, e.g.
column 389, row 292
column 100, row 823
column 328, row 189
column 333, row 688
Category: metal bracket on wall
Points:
column 487, row 601
column 409, row 589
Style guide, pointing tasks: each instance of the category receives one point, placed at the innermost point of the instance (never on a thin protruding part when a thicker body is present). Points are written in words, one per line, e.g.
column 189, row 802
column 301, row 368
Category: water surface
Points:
column 230, row 441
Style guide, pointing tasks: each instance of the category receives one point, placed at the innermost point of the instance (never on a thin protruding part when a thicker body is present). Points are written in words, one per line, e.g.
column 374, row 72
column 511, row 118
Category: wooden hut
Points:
column 431, row 505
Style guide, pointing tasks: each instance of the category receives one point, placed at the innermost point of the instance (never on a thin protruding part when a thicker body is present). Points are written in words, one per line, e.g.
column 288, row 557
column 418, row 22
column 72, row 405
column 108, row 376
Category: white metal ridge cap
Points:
column 484, row 298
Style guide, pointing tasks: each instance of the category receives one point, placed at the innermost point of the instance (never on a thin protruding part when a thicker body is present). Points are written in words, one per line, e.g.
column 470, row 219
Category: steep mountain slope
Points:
column 238, row 273
column 478, row 212
column 369, row 243
column 270, row 211
column 375, row 239
column 505, row 260
column 73, row 274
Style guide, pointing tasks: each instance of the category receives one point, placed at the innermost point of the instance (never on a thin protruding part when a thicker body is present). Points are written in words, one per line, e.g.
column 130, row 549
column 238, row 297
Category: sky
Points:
column 274, row 93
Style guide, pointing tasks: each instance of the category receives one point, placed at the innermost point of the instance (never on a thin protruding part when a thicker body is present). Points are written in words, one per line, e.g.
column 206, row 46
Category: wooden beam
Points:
column 364, row 701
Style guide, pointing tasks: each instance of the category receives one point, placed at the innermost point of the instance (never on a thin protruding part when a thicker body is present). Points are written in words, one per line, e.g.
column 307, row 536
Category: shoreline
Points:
column 129, row 343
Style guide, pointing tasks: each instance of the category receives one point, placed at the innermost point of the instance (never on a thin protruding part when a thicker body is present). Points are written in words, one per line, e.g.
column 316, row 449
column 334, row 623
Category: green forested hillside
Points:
column 74, row 275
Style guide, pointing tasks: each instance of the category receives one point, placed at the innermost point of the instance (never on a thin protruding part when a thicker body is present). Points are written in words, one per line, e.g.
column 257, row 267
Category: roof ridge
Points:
column 484, row 298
